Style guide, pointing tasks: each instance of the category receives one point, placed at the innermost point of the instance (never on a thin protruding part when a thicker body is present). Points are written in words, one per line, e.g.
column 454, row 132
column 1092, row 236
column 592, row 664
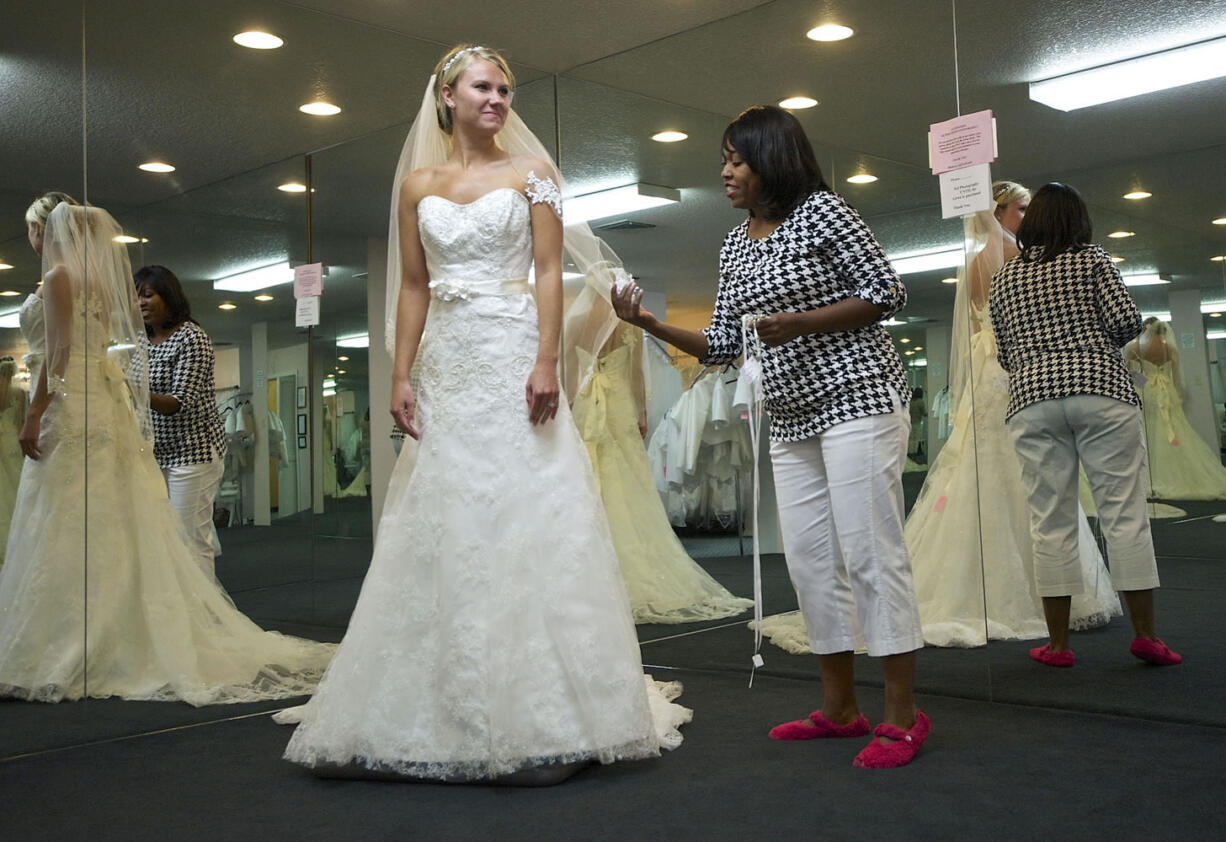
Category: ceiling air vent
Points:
column 623, row 225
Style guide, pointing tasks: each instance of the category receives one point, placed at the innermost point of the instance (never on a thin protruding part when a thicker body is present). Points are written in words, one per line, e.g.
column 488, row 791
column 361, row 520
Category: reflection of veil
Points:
column 87, row 277
column 984, row 250
column 588, row 318
column 1156, row 336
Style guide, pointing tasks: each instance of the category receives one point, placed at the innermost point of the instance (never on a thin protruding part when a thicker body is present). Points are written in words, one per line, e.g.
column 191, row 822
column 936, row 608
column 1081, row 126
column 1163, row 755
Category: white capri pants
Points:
column 1108, row 438
column 192, row 489
column 841, row 513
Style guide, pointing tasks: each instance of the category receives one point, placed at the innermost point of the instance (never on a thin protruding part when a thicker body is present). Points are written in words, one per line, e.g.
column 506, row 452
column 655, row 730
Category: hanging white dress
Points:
column 492, row 633
column 663, row 583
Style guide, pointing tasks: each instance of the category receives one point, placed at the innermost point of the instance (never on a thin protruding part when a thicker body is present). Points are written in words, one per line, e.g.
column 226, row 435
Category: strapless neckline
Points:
column 456, row 204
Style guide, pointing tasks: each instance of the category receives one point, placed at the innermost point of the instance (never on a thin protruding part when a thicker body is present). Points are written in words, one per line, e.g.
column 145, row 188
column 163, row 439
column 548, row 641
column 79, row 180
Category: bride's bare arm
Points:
column 411, row 306
column 542, row 389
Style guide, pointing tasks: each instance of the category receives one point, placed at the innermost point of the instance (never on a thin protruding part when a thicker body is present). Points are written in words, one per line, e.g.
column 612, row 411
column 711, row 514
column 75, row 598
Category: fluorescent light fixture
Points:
column 11, row 318
column 892, row 322
column 1145, row 280
column 945, row 258
column 319, row 108
column 292, row 187
column 669, row 136
column 617, row 201
column 156, row 166
column 829, row 32
column 949, row 280
column 793, row 103
column 1133, row 77
column 227, row 305
column 861, row 178
column 1215, row 334
column 263, row 296
column 329, row 393
column 4, row 266
column 359, row 340
column 1119, row 235
column 126, row 239
column 920, row 363
column 1213, row 307
column 256, row 40
column 1136, row 195
column 256, row 279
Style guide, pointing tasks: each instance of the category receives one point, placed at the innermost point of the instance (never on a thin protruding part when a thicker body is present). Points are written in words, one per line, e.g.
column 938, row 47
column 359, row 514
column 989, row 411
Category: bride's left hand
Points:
column 542, row 393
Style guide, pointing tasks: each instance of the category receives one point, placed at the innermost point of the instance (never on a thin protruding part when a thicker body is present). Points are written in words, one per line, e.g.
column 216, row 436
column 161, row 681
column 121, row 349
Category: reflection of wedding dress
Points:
column 492, row 633
column 11, row 459
column 1181, row 465
column 106, row 599
column 664, row 584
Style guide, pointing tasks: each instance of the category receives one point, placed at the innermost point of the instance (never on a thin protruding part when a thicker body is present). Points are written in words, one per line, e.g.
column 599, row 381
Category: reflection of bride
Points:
column 106, row 599
column 1181, row 465
column 12, row 413
column 492, row 639
column 664, row 584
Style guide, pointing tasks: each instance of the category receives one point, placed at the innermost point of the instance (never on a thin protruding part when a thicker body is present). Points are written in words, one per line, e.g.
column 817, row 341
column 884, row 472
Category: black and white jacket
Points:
column 182, row 366
column 822, row 253
column 1060, row 325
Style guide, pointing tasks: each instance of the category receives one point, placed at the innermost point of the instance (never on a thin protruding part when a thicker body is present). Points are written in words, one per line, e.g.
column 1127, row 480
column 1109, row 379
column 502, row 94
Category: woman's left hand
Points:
column 542, row 393
column 778, row 328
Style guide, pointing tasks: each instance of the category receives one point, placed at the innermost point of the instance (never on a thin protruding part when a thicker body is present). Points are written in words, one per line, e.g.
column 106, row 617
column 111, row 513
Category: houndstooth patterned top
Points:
column 821, row 254
column 1060, row 325
column 182, row 366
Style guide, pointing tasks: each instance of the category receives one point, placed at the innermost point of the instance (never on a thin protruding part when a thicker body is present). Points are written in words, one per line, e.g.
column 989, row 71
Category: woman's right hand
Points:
column 404, row 408
column 28, row 436
column 627, row 303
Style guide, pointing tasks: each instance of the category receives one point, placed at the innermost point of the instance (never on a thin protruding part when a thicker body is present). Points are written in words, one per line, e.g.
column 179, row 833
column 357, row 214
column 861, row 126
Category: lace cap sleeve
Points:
column 543, row 190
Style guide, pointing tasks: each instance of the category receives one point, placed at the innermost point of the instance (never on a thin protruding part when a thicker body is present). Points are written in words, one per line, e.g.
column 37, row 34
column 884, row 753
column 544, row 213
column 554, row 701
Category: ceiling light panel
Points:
column 619, row 200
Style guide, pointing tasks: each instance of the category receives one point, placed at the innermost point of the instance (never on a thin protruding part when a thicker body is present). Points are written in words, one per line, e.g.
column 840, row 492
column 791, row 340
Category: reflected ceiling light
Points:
column 861, row 178
column 793, row 103
column 1221, row 220
column 920, row 363
column 126, row 239
column 342, row 358
column 292, row 187
column 1119, row 235
column 617, row 201
column 1138, row 194
column 1133, row 77
column 918, row 348
column 1216, row 259
column 1213, row 307
column 329, row 383
column 892, row 322
column 949, row 280
column 1145, row 280
column 257, row 40
column 904, row 340
column 256, row 279
column 341, row 371
column 360, row 340
column 669, row 136
column 1116, row 259
column 156, row 166
column 227, row 305
column 11, row 318
column 319, row 108
column 263, row 296
column 1215, row 334
column 9, row 292
column 829, row 32
column 4, row 266
column 1215, row 315
column 909, row 264
column 908, row 353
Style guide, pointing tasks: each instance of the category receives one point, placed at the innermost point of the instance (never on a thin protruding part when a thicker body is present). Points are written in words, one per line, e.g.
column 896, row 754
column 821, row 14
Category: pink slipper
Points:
column 1155, row 652
column 818, row 726
column 877, row 755
column 1044, row 655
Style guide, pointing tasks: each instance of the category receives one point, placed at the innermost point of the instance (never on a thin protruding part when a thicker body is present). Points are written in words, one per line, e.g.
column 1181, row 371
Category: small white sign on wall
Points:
column 965, row 191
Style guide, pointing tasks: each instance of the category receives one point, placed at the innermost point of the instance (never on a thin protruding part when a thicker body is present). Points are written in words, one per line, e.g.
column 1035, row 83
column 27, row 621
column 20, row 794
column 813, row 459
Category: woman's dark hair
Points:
column 774, row 145
column 1056, row 221
column 164, row 282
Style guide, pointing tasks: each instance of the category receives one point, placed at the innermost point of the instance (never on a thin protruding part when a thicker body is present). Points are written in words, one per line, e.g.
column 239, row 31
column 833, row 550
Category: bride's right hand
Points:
column 29, row 435
column 404, row 407
column 627, row 303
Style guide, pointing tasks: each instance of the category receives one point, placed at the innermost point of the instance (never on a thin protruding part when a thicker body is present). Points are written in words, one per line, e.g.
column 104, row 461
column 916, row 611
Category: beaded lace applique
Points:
column 543, row 190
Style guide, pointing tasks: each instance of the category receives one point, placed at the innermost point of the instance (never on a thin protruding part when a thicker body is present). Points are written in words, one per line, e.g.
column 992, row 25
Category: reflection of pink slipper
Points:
column 817, row 727
column 1155, row 652
column 877, row 755
column 1044, row 655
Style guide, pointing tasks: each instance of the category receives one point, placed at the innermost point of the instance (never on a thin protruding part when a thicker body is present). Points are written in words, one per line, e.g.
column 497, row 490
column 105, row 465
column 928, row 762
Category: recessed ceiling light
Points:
column 795, row 102
column 319, row 108
column 9, row 293
column 908, row 353
column 156, row 166
column 1218, row 259
column 862, row 178
column 343, row 358
column 918, row 348
column 292, row 187
column 830, row 32
column 257, row 40
column 904, row 340
column 126, row 239
column 949, row 280
column 227, row 305
column 340, row 371
column 1116, row 259
column 1214, row 315
column 1221, row 220
column 4, row 266
column 263, row 296
column 1138, row 194
column 669, row 136
column 1119, row 235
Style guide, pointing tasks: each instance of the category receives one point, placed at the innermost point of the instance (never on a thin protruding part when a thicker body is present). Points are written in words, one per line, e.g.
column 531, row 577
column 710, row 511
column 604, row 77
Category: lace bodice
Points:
column 487, row 239
column 31, row 320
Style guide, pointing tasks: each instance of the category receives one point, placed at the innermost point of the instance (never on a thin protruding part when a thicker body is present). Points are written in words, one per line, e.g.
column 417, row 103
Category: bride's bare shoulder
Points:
column 422, row 182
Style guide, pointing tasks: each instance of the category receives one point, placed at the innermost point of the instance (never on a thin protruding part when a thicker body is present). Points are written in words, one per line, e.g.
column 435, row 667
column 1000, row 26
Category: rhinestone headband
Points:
column 452, row 60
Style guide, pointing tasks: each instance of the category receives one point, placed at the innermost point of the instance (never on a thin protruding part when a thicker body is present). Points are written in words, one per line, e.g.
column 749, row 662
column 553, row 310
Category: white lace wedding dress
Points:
column 664, row 584
column 11, row 458
column 492, row 633
column 1182, row 466
column 99, row 594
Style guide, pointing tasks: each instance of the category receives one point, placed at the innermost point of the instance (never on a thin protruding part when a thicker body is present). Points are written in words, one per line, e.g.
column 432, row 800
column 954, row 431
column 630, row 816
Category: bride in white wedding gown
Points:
column 99, row 594
column 492, row 640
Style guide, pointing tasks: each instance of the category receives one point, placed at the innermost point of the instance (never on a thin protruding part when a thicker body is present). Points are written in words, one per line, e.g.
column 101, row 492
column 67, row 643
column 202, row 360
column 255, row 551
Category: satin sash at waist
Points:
column 451, row 290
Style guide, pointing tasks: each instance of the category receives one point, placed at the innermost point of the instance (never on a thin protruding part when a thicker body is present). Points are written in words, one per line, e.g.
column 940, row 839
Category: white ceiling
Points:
column 163, row 80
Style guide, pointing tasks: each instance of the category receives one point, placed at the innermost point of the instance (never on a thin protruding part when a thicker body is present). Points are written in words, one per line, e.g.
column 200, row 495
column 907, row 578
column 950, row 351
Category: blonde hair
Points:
column 1005, row 193
column 41, row 207
column 452, row 66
